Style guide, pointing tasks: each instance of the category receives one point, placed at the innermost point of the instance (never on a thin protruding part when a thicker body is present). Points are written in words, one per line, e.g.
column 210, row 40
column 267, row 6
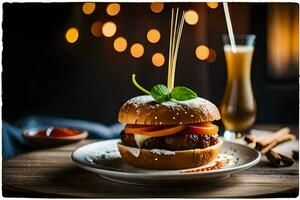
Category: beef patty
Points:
column 179, row 141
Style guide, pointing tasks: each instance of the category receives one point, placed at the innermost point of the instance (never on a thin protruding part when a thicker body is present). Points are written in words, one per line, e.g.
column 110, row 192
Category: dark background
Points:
column 45, row 75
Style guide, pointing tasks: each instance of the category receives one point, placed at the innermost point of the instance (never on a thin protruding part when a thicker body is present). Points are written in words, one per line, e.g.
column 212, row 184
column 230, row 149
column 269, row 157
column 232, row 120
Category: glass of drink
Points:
column 238, row 107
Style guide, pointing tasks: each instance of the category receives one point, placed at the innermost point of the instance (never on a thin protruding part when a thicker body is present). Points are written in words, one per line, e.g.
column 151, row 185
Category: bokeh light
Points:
column 212, row 5
column 212, row 56
column 120, row 44
column 157, row 7
column 113, row 9
column 153, row 35
column 137, row 50
column 202, row 52
column 109, row 29
column 191, row 17
column 88, row 8
column 96, row 29
column 158, row 59
column 72, row 35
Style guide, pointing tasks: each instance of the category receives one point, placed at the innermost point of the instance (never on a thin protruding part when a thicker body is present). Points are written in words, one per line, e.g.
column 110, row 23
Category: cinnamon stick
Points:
column 273, row 158
column 287, row 161
column 276, row 159
column 250, row 138
column 275, row 142
column 268, row 143
column 295, row 155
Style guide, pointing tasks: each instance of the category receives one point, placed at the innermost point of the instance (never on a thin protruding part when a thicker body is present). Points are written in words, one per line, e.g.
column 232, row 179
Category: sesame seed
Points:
column 155, row 159
column 173, row 117
column 177, row 113
column 192, row 115
column 180, row 122
column 155, row 117
column 160, row 123
column 185, row 112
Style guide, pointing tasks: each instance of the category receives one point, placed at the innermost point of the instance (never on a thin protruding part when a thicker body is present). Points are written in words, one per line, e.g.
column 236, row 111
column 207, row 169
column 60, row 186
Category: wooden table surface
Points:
column 51, row 173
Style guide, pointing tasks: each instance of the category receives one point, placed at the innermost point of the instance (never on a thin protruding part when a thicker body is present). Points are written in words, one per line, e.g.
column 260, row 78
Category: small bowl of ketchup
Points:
column 53, row 136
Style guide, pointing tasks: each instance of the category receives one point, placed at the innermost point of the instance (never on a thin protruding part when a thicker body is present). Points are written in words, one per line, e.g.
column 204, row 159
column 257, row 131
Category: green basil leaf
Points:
column 181, row 93
column 160, row 93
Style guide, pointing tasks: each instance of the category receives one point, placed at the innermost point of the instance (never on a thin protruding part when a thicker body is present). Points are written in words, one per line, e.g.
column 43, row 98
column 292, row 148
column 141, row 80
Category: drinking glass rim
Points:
column 240, row 36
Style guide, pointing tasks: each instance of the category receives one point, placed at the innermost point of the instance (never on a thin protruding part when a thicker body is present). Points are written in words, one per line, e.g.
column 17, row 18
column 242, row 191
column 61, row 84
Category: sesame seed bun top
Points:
column 144, row 110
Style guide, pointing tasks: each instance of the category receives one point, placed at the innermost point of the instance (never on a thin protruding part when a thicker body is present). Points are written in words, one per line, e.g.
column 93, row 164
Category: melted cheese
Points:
column 140, row 139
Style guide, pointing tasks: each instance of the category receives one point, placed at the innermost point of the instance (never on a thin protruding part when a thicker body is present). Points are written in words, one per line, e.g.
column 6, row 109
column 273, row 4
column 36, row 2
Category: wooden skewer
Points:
column 177, row 47
column 171, row 80
column 170, row 47
column 175, row 37
column 175, row 32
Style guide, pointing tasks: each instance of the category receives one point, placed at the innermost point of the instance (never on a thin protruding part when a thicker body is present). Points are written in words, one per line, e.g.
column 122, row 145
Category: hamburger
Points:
column 171, row 127
column 169, row 135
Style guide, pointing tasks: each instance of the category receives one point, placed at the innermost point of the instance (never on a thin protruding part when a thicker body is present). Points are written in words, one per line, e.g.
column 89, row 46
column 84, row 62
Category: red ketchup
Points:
column 56, row 132
column 217, row 165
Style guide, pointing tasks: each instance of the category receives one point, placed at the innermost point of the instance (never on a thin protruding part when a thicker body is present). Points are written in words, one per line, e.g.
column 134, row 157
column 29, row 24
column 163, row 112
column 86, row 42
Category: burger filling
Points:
column 196, row 136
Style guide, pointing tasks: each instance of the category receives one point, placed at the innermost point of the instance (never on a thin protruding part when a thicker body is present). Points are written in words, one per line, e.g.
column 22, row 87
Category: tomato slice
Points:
column 156, row 131
column 164, row 132
column 203, row 129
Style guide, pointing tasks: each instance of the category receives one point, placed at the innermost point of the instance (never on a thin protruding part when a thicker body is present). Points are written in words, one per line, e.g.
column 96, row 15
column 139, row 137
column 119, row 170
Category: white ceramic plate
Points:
column 104, row 159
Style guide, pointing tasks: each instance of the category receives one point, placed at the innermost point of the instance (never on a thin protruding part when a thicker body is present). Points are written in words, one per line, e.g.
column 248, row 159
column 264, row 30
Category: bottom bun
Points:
column 164, row 159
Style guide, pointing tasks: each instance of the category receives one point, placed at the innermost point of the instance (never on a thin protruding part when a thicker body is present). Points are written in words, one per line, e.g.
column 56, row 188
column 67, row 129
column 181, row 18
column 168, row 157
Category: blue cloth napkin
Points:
column 14, row 144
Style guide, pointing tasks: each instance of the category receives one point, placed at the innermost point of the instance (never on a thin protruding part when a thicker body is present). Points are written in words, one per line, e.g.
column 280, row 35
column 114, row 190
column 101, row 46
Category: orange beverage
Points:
column 238, row 107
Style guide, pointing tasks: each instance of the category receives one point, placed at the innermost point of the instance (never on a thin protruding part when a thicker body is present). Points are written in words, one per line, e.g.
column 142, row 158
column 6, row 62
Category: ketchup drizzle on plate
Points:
column 217, row 165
